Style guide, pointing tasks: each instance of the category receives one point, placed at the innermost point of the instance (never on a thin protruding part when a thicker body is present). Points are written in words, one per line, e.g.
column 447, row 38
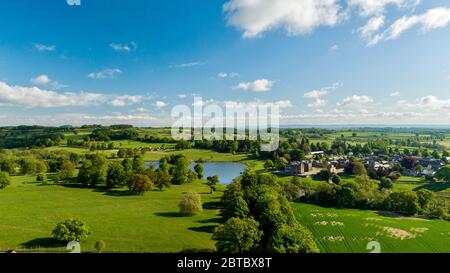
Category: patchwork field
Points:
column 349, row 230
column 149, row 223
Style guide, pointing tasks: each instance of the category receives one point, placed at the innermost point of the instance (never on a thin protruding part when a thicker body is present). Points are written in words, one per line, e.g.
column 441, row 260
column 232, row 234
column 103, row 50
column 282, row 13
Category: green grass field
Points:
column 349, row 230
column 147, row 223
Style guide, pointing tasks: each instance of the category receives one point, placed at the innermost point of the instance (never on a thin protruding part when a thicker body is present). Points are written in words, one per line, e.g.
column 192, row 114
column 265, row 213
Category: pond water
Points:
column 226, row 171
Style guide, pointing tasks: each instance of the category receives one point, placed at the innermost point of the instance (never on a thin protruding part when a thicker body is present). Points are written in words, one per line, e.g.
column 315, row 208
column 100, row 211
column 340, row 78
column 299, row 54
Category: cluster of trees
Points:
column 39, row 162
column 157, row 139
column 260, row 218
column 31, row 136
column 367, row 193
column 97, row 170
column 178, row 168
column 108, row 134
column 229, row 146
column 91, row 145
column 128, row 152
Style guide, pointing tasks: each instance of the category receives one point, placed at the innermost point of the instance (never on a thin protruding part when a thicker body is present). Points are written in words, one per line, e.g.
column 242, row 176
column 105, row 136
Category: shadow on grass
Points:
column 216, row 220
column 393, row 214
column 169, row 214
column 201, row 193
column 69, row 185
column 119, row 193
column 205, row 229
column 212, row 205
column 42, row 243
column 113, row 192
column 435, row 186
column 198, row 250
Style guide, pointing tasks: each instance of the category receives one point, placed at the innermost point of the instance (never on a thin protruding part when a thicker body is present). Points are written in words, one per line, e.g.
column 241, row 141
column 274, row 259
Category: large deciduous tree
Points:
column 238, row 236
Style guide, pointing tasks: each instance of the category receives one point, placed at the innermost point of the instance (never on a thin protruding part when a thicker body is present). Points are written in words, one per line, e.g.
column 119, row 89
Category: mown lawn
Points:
column 349, row 230
column 148, row 223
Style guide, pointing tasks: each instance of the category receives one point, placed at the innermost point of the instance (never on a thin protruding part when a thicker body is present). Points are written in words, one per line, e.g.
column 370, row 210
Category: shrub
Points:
column 116, row 176
column 425, row 198
column 346, row 197
column 191, row 204
column 5, row 180
column 67, row 170
column 405, row 202
column 140, row 184
column 336, row 179
column 42, row 177
column 292, row 239
column 437, row 213
column 291, row 191
column 199, row 169
column 71, row 230
column 325, row 175
column 359, row 168
column 325, row 194
column 386, row 183
column 100, row 246
column 237, row 236
column 212, row 182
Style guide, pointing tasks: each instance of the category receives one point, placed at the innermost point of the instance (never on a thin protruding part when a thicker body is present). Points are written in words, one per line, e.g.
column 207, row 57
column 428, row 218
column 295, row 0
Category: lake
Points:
column 226, row 171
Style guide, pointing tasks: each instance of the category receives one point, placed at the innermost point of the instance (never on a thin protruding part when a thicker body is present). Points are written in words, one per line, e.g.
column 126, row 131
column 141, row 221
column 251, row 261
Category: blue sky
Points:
column 321, row 61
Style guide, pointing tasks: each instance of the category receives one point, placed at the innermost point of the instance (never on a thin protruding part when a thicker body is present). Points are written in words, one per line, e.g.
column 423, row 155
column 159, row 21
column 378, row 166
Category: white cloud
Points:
column 106, row 73
column 41, row 80
column 426, row 103
column 282, row 104
column 48, row 48
column 125, row 100
column 36, row 97
column 140, row 110
column 365, row 117
column 315, row 94
column 395, row 94
column 181, row 96
column 334, row 48
column 160, row 104
column 318, row 94
column 73, row 2
column 318, row 103
column 142, row 119
column 228, row 75
column 321, row 92
column 124, row 47
column 44, row 80
column 432, row 19
column 372, row 26
column 355, row 101
column 262, row 85
column 186, row 65
column 377, row 7
column 255, row 17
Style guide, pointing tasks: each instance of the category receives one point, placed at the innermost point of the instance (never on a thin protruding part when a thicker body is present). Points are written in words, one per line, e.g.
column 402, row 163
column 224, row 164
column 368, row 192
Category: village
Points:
column 375, row 165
